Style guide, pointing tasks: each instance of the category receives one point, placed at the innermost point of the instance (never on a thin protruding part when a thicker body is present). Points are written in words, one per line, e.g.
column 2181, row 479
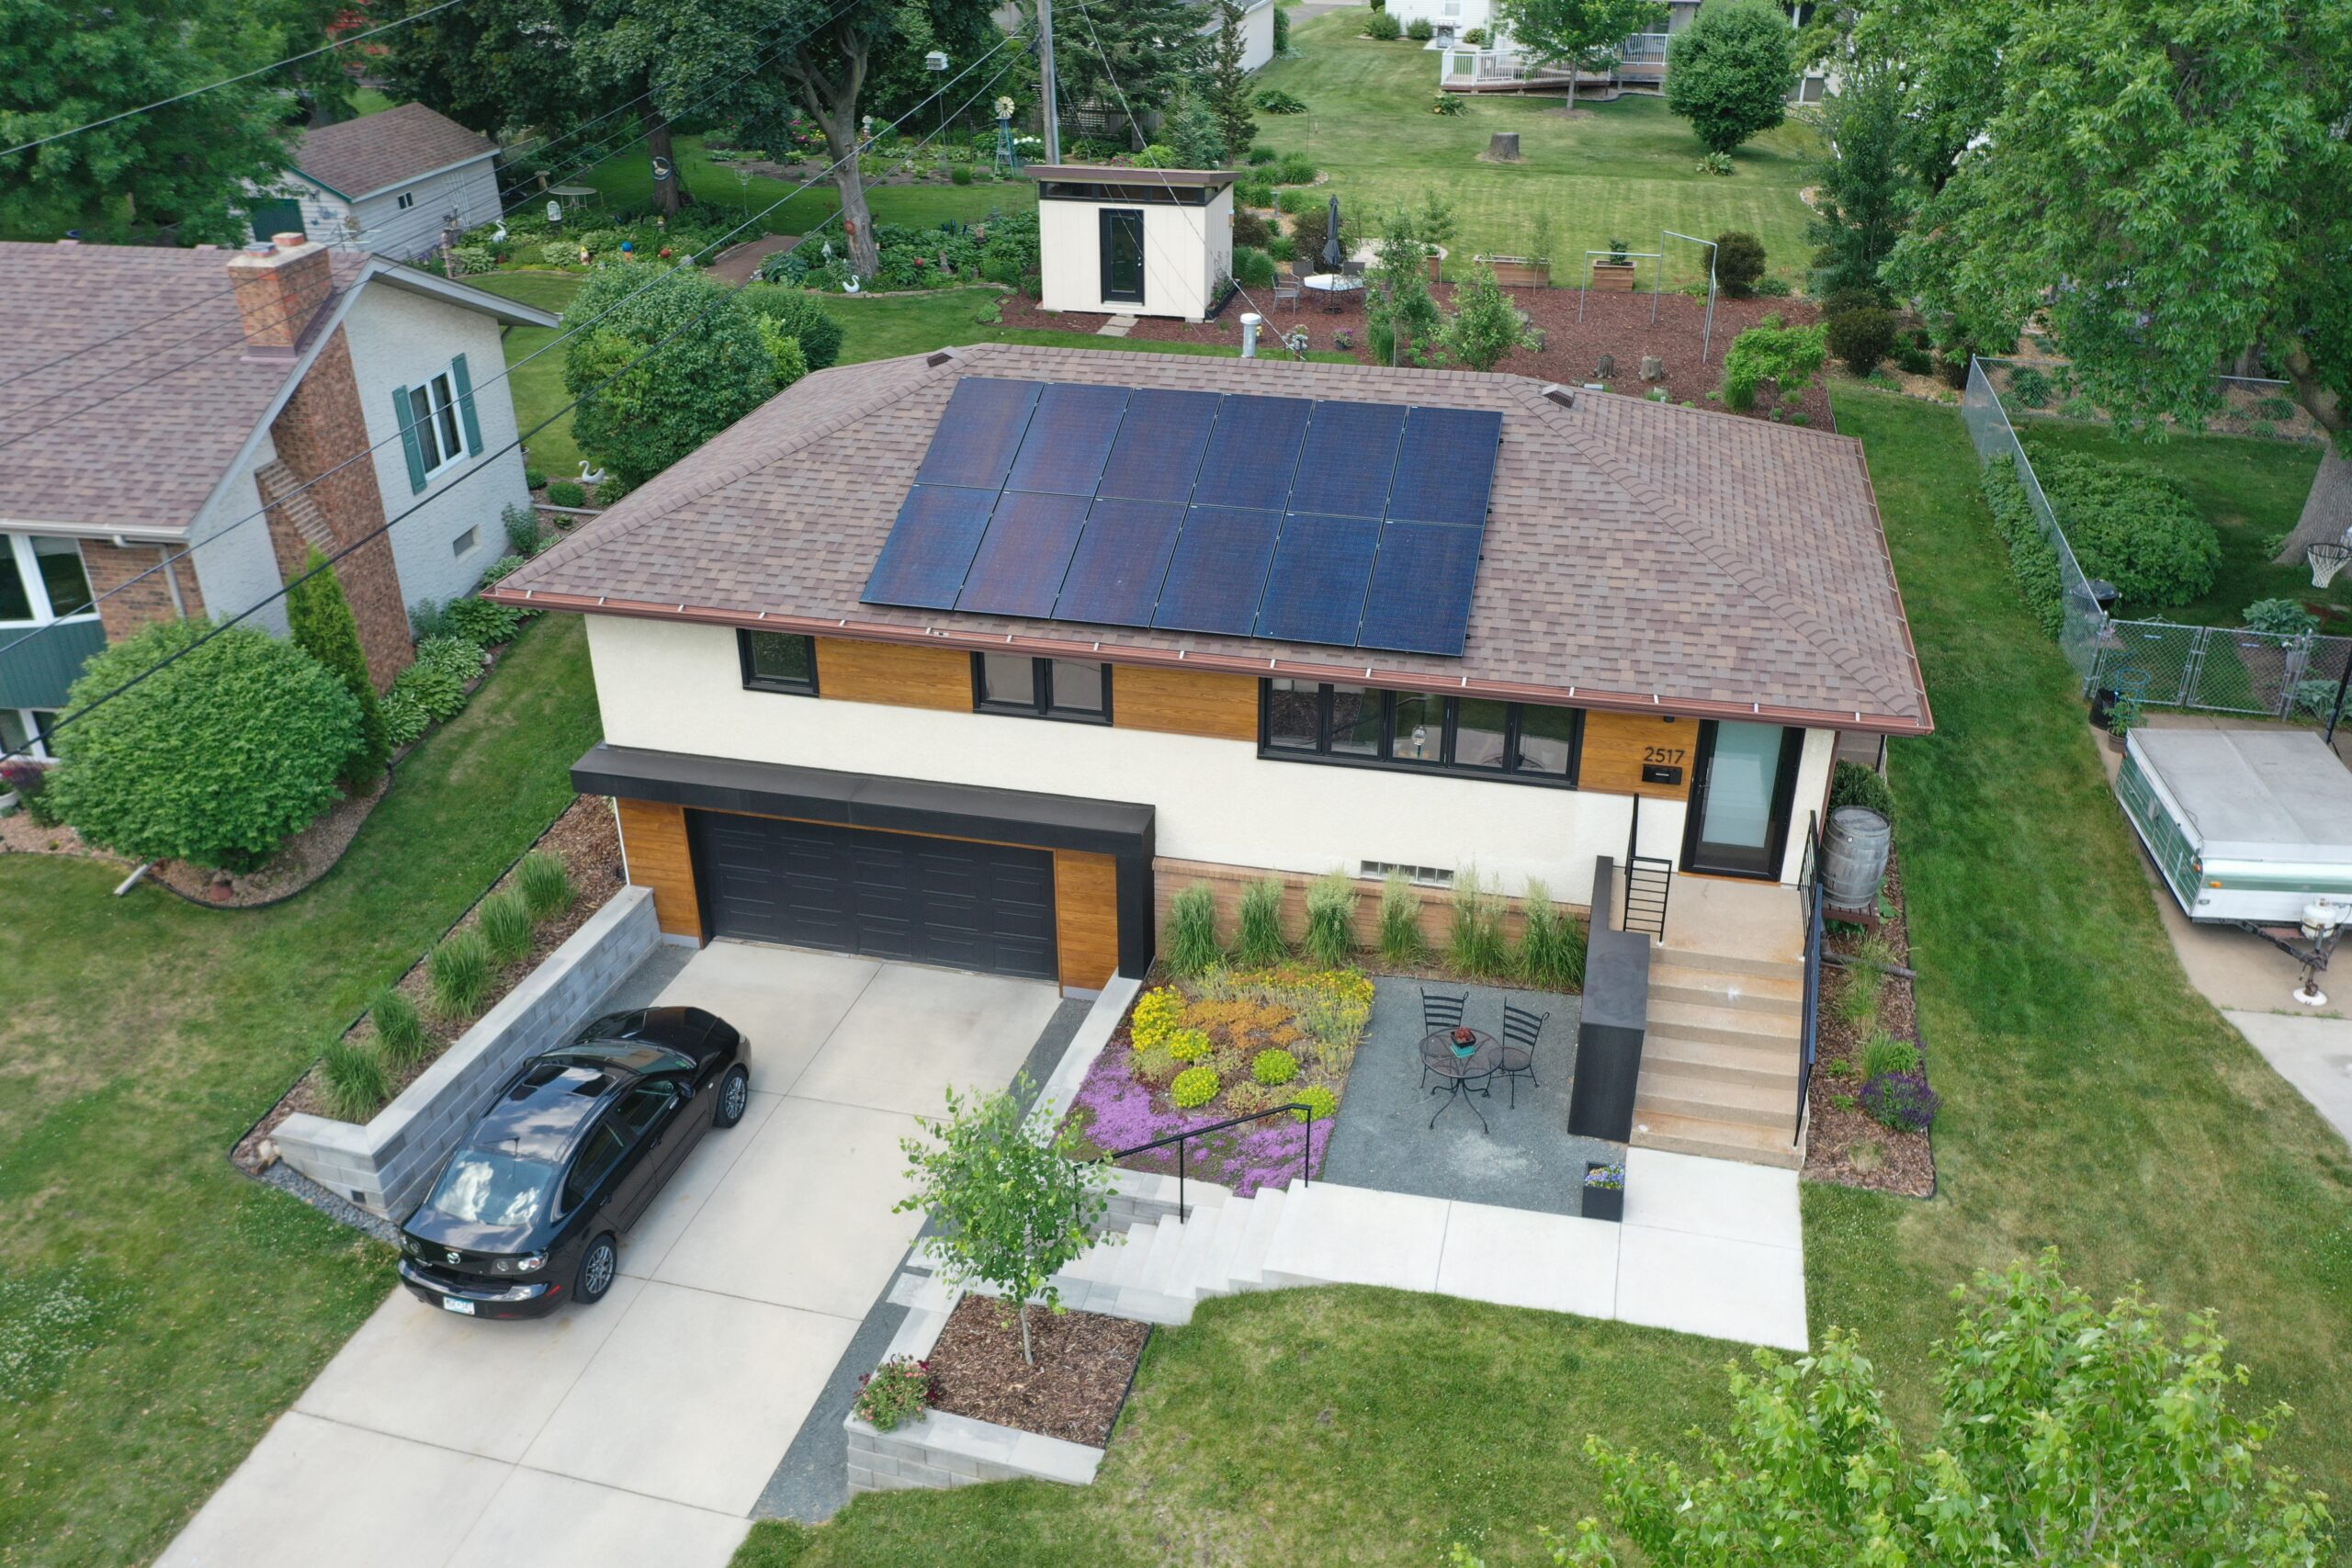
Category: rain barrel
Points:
column 1853, row 858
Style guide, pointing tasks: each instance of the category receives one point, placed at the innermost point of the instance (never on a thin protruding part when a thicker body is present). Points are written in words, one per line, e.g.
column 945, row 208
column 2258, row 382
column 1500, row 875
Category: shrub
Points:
column 2281, row 617
column 521, row 525
column 1768, row 351
column 2133, row 525
column 2279, row 411
column 1861, row 338
column 1261, row 156
column 1420, row 32
column 506, row 926
column 26, row 780
column 461, row 972
column 1551, row 942
column 1445, row 103
column 1249, row 1098
column 1275, row 101
column 2034, row 560
column 1381, row 25
column 896, row 1391
column 1248, row 229
column 214, row 758
column 1915, row 360
column 1273, row 1068
column 1248, row 194
column 1296, row 169
column 798, row 313
column 1475, row 37
column 1252, row 268
column 559, row 252
column 1714, row 163
column 1884, row 1053
column 1320, row 1102
column 1474, row 940
column 2029, row 386
column 1485, row 325
column 1158, row 1013
column 1853, row 784
column 319, row 619
column 961, row 173
column 1157, row 1066
column 1189, row 1044
column 1283, row 248
column 353, row 1084
column 564, row 492
column 1300, row 203
column 1901, row 1101
column 1193, row 1086
column 1191, row 931
column 1259, row 942
column 431, row 689
column 481, row 622
column 400, row 1030
column 533, row 479
column 1332, row 919
column 639, row 412
column 1401, row 942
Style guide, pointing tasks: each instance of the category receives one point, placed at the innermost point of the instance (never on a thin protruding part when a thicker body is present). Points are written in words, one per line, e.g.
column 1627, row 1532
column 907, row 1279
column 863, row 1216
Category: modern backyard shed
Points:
column 1134, row 241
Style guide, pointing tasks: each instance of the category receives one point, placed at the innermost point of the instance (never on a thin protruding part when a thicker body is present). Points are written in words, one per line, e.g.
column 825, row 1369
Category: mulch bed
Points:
column 1618, row 325
column 1086, row 1362
column 588, row 842
column 1846, row 1145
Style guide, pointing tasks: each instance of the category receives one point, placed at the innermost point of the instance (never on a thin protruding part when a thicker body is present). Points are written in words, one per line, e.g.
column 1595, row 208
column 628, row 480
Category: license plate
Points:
column 458, row 1304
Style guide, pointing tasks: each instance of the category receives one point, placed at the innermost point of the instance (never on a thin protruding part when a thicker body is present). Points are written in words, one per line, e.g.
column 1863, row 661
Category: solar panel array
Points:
column 1350, row 523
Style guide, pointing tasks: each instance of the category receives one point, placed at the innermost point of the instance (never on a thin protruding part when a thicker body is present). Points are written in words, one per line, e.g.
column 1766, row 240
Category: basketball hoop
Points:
column 2326, row 561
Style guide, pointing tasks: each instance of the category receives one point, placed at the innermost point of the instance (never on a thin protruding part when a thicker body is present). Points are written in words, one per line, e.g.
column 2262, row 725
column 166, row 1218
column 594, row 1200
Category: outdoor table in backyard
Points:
column 1331, row 285
column 1438, row 1057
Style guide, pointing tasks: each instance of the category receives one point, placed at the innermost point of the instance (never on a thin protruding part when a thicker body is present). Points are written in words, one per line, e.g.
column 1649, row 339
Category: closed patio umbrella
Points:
column 1335, row 255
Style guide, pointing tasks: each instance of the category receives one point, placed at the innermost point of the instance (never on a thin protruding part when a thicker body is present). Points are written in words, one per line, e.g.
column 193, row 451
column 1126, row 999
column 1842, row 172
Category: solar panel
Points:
column 1159, row 445
column 1445, row 466
column 1419, row 601
column 1115, row 574
column 1019, row 567
column 1069, row 436
column 1349, row 453
column 1253, row 453
column 1314, row 591
column 1218, row 569
column 930, row 548
column 978, row 433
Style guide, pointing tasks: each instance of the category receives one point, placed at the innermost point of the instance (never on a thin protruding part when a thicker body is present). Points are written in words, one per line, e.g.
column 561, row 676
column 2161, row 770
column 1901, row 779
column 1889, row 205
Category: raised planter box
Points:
column 1610, row 279
column 1520, row 272
column 383, row 1167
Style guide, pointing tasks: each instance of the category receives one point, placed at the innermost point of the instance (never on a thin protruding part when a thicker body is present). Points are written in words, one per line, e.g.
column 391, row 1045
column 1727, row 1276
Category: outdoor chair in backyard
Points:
column 1287, row 293
column 1440, row 1009
column 1521, row 1029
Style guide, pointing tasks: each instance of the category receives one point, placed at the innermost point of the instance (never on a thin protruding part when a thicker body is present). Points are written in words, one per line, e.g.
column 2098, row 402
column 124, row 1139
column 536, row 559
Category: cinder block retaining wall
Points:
column 384, row 1166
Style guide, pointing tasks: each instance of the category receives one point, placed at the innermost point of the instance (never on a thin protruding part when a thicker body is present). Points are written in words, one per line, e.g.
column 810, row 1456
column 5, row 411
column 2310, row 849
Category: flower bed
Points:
column 1085, row 1363
column 1225, row 1044
column 1869, row 1130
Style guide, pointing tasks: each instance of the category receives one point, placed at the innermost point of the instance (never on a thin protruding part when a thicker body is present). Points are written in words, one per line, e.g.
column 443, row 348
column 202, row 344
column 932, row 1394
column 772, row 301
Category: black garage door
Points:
column 983, row 907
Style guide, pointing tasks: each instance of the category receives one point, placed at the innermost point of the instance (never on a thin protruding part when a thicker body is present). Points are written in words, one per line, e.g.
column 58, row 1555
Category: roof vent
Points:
column 1559, row 394
column 936, row 360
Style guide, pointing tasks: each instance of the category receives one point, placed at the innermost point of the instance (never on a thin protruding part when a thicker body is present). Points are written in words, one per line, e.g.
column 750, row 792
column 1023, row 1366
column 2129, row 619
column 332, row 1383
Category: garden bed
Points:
column 1128, row 1098
column 1846, row 1144
column 1086, row 1362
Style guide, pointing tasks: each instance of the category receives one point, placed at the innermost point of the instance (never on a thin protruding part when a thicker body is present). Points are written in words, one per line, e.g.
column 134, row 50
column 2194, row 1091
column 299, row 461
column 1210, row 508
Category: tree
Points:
column 1228, row 85
column 1014, row 1203
column 1784, row 355
column 1863, row 192
column 1860, row 337
column 2068, row 1436
column 1126, row 57
column 1729, row 71
column 214, row 759
column 2166, row 182
column 175, row 172
column 1740, row 261
column 1485, row 324
column 323, row 626
column 1399, row 310
column 717, row 369
column 1581, row 35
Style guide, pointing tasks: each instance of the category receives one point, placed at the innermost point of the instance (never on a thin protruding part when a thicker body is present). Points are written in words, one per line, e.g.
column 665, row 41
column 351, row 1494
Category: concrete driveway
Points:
column 642, row 1430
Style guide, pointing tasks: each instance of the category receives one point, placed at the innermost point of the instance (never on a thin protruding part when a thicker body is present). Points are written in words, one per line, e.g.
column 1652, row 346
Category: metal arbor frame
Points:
column 1658, row 274
column 1707, row 339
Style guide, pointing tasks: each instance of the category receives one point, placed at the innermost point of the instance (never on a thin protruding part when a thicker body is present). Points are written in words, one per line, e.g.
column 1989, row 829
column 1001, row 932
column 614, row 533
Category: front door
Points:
column 1123, row 255
column 1740, row 798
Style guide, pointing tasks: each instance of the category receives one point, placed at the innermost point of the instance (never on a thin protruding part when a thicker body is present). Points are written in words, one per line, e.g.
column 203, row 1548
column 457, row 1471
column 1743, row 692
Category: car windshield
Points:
column 484, row 1186
column 634, row 1056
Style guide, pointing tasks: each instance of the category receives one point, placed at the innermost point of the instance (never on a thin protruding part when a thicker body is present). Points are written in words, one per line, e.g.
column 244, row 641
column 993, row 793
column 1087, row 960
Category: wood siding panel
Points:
column 1185, row 702
column 653, row 838
column 1617, row 744
column 896, row 674
column 1086, row 917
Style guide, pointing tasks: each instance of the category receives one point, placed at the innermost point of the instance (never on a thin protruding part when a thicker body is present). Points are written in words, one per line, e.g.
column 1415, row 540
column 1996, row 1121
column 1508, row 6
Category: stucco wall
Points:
column 1186, row 251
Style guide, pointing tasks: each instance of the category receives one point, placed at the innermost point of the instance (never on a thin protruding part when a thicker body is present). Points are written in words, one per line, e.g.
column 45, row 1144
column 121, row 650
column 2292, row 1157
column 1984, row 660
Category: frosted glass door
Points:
column 1739, row 809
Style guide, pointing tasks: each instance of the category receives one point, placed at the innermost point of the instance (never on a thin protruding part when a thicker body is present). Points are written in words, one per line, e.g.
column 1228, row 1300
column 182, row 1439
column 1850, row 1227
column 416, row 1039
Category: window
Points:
column 601, row 1151
column 1523, row 743
column 41, row 578
column 464, row 542
column 778, row 661
column 1123, row 255
column 638, row 1110
column 433, row 414
column 26, row 731
column 1041, row 688
column 406, row 201
column 489, row 1186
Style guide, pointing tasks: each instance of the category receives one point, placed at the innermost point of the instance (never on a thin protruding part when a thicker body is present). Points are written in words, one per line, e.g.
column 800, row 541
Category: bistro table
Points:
column 1438, row 1057
column 1331, row 285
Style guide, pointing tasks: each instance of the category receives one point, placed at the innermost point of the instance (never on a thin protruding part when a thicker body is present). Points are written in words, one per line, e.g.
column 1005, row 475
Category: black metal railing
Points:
column 1305, row 1153
column 1809, row 890
column 1649, row 881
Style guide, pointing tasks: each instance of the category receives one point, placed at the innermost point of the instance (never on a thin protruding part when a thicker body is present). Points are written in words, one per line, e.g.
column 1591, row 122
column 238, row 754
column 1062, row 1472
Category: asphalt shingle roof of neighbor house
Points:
column 360, row 157
column 1637, row 555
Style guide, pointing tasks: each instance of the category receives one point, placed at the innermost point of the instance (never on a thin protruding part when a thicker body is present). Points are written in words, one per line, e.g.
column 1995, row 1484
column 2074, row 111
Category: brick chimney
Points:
column 279, row 290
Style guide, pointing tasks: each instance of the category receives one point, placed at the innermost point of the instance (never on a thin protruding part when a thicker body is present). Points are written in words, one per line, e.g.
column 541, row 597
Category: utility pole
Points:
column 1046, row 77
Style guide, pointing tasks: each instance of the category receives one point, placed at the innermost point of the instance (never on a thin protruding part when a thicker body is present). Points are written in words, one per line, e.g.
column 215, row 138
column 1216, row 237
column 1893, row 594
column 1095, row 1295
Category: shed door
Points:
column 1123, row 255
column 947, row 901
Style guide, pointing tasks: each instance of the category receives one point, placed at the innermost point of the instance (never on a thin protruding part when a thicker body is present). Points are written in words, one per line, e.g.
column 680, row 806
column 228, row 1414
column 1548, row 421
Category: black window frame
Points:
column 755, row 682
column 1111, row 218
column 1511, row 772
column 1041, row 704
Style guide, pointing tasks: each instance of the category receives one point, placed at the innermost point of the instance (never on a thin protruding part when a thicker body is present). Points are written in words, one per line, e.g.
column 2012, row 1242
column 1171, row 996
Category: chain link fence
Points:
column 2162, row 663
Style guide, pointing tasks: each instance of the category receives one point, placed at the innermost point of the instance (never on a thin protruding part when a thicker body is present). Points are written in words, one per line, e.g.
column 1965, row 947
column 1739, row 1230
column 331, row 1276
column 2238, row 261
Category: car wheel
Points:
column 734, row 1097
column 599, row 1265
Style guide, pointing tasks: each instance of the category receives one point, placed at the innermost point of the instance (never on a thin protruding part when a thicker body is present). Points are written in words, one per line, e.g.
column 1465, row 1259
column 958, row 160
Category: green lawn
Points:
column 626, row 180
column 1626, row 172
column 139, row 1038
column 2251, row 491
column 537, row 383
column 2092, row 1101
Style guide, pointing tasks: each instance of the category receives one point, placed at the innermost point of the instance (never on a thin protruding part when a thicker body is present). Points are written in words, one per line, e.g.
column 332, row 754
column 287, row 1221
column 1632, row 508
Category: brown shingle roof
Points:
column 359, row 157
column 1635, row 553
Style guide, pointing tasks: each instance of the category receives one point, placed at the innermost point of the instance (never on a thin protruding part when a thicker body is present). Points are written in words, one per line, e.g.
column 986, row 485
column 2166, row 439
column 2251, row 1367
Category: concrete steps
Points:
column 1675, row 982
column 1727, row 962
column 1721, row 1059
column 1745, row 1142
column 1158, row 1272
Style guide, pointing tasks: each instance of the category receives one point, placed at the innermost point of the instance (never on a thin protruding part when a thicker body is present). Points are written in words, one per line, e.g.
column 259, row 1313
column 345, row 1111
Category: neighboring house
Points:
column 1256, row 29
column 1641, row 61
column 155, row 399
column 1134, row 241
column 386, row 183
column 1650, row 602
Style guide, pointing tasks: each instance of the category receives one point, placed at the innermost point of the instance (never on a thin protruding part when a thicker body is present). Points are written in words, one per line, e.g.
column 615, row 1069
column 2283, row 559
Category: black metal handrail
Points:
column 1815, row 930
column 1306, row 1155
column 1649, row 884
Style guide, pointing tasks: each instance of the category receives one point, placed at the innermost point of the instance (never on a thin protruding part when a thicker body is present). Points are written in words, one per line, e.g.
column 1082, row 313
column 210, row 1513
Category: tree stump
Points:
column 1653, row 367
column 1605, row 367
column 1503, row 147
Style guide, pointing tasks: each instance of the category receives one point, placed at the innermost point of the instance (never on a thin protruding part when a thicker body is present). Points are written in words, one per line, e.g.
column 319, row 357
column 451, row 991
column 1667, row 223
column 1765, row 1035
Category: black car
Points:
column 530, row 1211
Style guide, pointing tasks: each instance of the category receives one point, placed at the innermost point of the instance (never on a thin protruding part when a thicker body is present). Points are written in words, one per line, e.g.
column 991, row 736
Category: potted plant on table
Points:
column 1466, row 1040
column 1615, row 270
column 1604, row 1190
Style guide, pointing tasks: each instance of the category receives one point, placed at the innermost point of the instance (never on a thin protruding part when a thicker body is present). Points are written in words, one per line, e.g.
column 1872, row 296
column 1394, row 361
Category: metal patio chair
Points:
column 1440, row 1009
column 1521, row 1029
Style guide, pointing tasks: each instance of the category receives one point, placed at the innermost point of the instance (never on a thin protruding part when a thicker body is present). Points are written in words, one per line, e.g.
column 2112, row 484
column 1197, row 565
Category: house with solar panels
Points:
column 975, row 658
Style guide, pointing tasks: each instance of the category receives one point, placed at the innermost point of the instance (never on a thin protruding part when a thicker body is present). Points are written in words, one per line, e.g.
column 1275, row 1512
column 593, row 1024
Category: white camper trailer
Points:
column 2247, row 825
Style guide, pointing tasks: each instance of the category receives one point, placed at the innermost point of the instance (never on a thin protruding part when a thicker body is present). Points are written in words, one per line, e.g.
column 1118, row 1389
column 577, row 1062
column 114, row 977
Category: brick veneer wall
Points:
column 320, row 428
column 136, row 605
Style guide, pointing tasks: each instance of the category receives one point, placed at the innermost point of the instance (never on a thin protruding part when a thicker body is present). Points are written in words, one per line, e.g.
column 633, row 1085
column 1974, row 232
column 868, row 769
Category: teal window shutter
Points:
column 405, row 420
column 465, row 385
